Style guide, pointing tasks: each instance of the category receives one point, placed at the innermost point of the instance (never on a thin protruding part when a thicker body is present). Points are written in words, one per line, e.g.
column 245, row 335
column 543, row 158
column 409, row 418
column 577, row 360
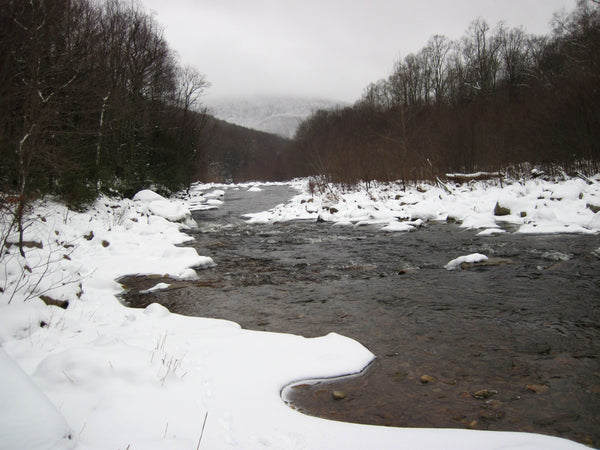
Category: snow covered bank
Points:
column 99, row 375
column 526, row 206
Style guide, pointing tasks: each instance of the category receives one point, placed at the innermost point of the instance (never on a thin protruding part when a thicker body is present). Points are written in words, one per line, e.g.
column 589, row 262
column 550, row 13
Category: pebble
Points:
column 490, row 415
column 537, row 388
column 484, row 393
column 427, row 379
column 338, row 395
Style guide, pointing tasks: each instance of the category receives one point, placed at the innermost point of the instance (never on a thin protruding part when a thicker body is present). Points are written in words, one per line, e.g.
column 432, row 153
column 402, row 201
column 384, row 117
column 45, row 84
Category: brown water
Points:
column 525, row 332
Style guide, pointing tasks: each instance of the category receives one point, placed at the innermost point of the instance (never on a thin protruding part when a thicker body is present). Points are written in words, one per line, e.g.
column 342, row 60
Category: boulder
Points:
column 500, row 210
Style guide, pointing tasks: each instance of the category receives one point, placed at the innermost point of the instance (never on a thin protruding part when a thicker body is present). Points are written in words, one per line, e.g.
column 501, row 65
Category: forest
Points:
column 494, row 99
column 92, row 99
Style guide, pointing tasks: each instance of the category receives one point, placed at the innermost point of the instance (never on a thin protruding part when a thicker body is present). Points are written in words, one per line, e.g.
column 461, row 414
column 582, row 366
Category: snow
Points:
column 491, row 232
column 535, row 205
column 215, row 194
column 52, row 431
column 146, row 195
column 272, row 114
column 472, row 258
column 156, row 287
column 161, row 207
column 100, row 375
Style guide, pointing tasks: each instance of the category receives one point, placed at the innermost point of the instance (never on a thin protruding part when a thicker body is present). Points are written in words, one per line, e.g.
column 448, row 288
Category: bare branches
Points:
column 91, row 97
column 496, row 97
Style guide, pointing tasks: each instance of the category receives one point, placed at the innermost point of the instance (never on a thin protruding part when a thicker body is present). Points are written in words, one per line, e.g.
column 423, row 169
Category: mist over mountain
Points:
column 276, row 115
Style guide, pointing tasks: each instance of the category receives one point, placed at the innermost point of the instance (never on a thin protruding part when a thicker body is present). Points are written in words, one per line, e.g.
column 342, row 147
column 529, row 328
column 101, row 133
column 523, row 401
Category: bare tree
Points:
column 513, row 53
column 480, row 52
column 437, row 50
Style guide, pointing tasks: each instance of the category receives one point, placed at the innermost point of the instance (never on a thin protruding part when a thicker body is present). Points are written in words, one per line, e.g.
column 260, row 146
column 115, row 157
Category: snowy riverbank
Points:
column 533, row 206
column 99, row 375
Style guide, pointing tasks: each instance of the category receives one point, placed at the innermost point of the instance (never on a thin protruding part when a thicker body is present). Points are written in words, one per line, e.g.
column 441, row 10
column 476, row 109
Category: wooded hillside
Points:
column 495, row 98
column 92, row 99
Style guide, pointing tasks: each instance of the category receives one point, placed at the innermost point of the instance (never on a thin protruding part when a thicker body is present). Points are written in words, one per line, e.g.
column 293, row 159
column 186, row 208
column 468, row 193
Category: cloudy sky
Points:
column 321, row 48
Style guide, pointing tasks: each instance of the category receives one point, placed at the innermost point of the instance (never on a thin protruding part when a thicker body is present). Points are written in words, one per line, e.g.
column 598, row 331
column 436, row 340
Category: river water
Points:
column 512, row 346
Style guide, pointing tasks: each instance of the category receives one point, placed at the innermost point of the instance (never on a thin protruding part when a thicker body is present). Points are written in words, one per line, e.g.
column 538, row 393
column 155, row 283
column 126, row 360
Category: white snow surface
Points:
column 536, row 206
column 472, row 258
column 100, row 375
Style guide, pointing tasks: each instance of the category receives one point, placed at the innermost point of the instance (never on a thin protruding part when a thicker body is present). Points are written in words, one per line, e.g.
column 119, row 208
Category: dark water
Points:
column 527, row 331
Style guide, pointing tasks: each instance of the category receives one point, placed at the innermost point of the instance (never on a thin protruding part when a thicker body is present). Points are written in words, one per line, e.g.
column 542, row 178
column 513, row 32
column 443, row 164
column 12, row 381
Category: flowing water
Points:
column 509, row 346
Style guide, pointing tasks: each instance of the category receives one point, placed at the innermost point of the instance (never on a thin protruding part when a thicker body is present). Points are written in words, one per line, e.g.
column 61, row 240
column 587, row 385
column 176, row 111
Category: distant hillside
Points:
column 276, row 115
column 236, row 153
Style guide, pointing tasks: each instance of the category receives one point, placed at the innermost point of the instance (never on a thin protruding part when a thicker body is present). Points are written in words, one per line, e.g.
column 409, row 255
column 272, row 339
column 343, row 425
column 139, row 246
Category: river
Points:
column 512, row 346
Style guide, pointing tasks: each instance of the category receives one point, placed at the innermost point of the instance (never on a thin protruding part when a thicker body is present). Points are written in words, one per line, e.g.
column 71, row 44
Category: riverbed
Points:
column 512, row 345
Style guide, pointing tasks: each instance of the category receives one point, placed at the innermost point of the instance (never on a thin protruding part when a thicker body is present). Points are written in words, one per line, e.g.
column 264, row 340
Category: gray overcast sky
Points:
column 322, row 48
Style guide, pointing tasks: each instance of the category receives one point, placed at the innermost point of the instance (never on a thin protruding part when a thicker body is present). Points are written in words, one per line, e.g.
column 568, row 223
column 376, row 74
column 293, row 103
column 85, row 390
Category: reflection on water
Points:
column 507, row 347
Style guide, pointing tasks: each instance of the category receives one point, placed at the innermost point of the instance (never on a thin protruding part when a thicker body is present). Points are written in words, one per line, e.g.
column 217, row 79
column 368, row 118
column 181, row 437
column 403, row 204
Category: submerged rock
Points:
column 338, row 395
column 427, row 379
column 537, row 388
column 484, row 394
column 490, row 262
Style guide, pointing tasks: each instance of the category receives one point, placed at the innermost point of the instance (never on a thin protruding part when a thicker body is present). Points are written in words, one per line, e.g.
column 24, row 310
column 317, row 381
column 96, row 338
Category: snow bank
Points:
column 86, row 251
column 159, row 206
column 115, row 377
column 28, row 420
column 528, row 206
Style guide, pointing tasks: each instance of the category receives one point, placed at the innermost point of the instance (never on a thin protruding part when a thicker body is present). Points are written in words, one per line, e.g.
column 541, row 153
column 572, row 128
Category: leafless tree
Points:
column 437, row 50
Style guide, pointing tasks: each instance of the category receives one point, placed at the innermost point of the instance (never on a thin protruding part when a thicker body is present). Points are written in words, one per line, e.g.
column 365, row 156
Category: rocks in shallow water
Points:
column 484, row 394
column 427, row 379
column 491, row 415
column 338, row 395
column 560, row 418
column 537, row 388
column 486, row 263
column 492, row 410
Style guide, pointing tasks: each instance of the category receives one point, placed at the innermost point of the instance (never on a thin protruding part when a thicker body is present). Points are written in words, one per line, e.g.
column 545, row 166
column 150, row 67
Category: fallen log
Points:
column 477, row 176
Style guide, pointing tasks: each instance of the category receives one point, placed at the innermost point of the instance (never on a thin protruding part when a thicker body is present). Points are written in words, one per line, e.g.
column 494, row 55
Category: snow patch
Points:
column 534, row 206
column 28, row 420
column 472, row 258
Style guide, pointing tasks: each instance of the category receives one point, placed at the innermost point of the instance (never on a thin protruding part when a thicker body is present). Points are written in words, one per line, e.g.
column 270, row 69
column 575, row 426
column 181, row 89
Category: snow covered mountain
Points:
column 276, row 115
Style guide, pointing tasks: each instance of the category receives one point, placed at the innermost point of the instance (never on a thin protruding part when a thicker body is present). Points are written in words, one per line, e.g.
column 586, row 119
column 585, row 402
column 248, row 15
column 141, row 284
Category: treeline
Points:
column 93, row 99
column 496, row 97
column 237, row 154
